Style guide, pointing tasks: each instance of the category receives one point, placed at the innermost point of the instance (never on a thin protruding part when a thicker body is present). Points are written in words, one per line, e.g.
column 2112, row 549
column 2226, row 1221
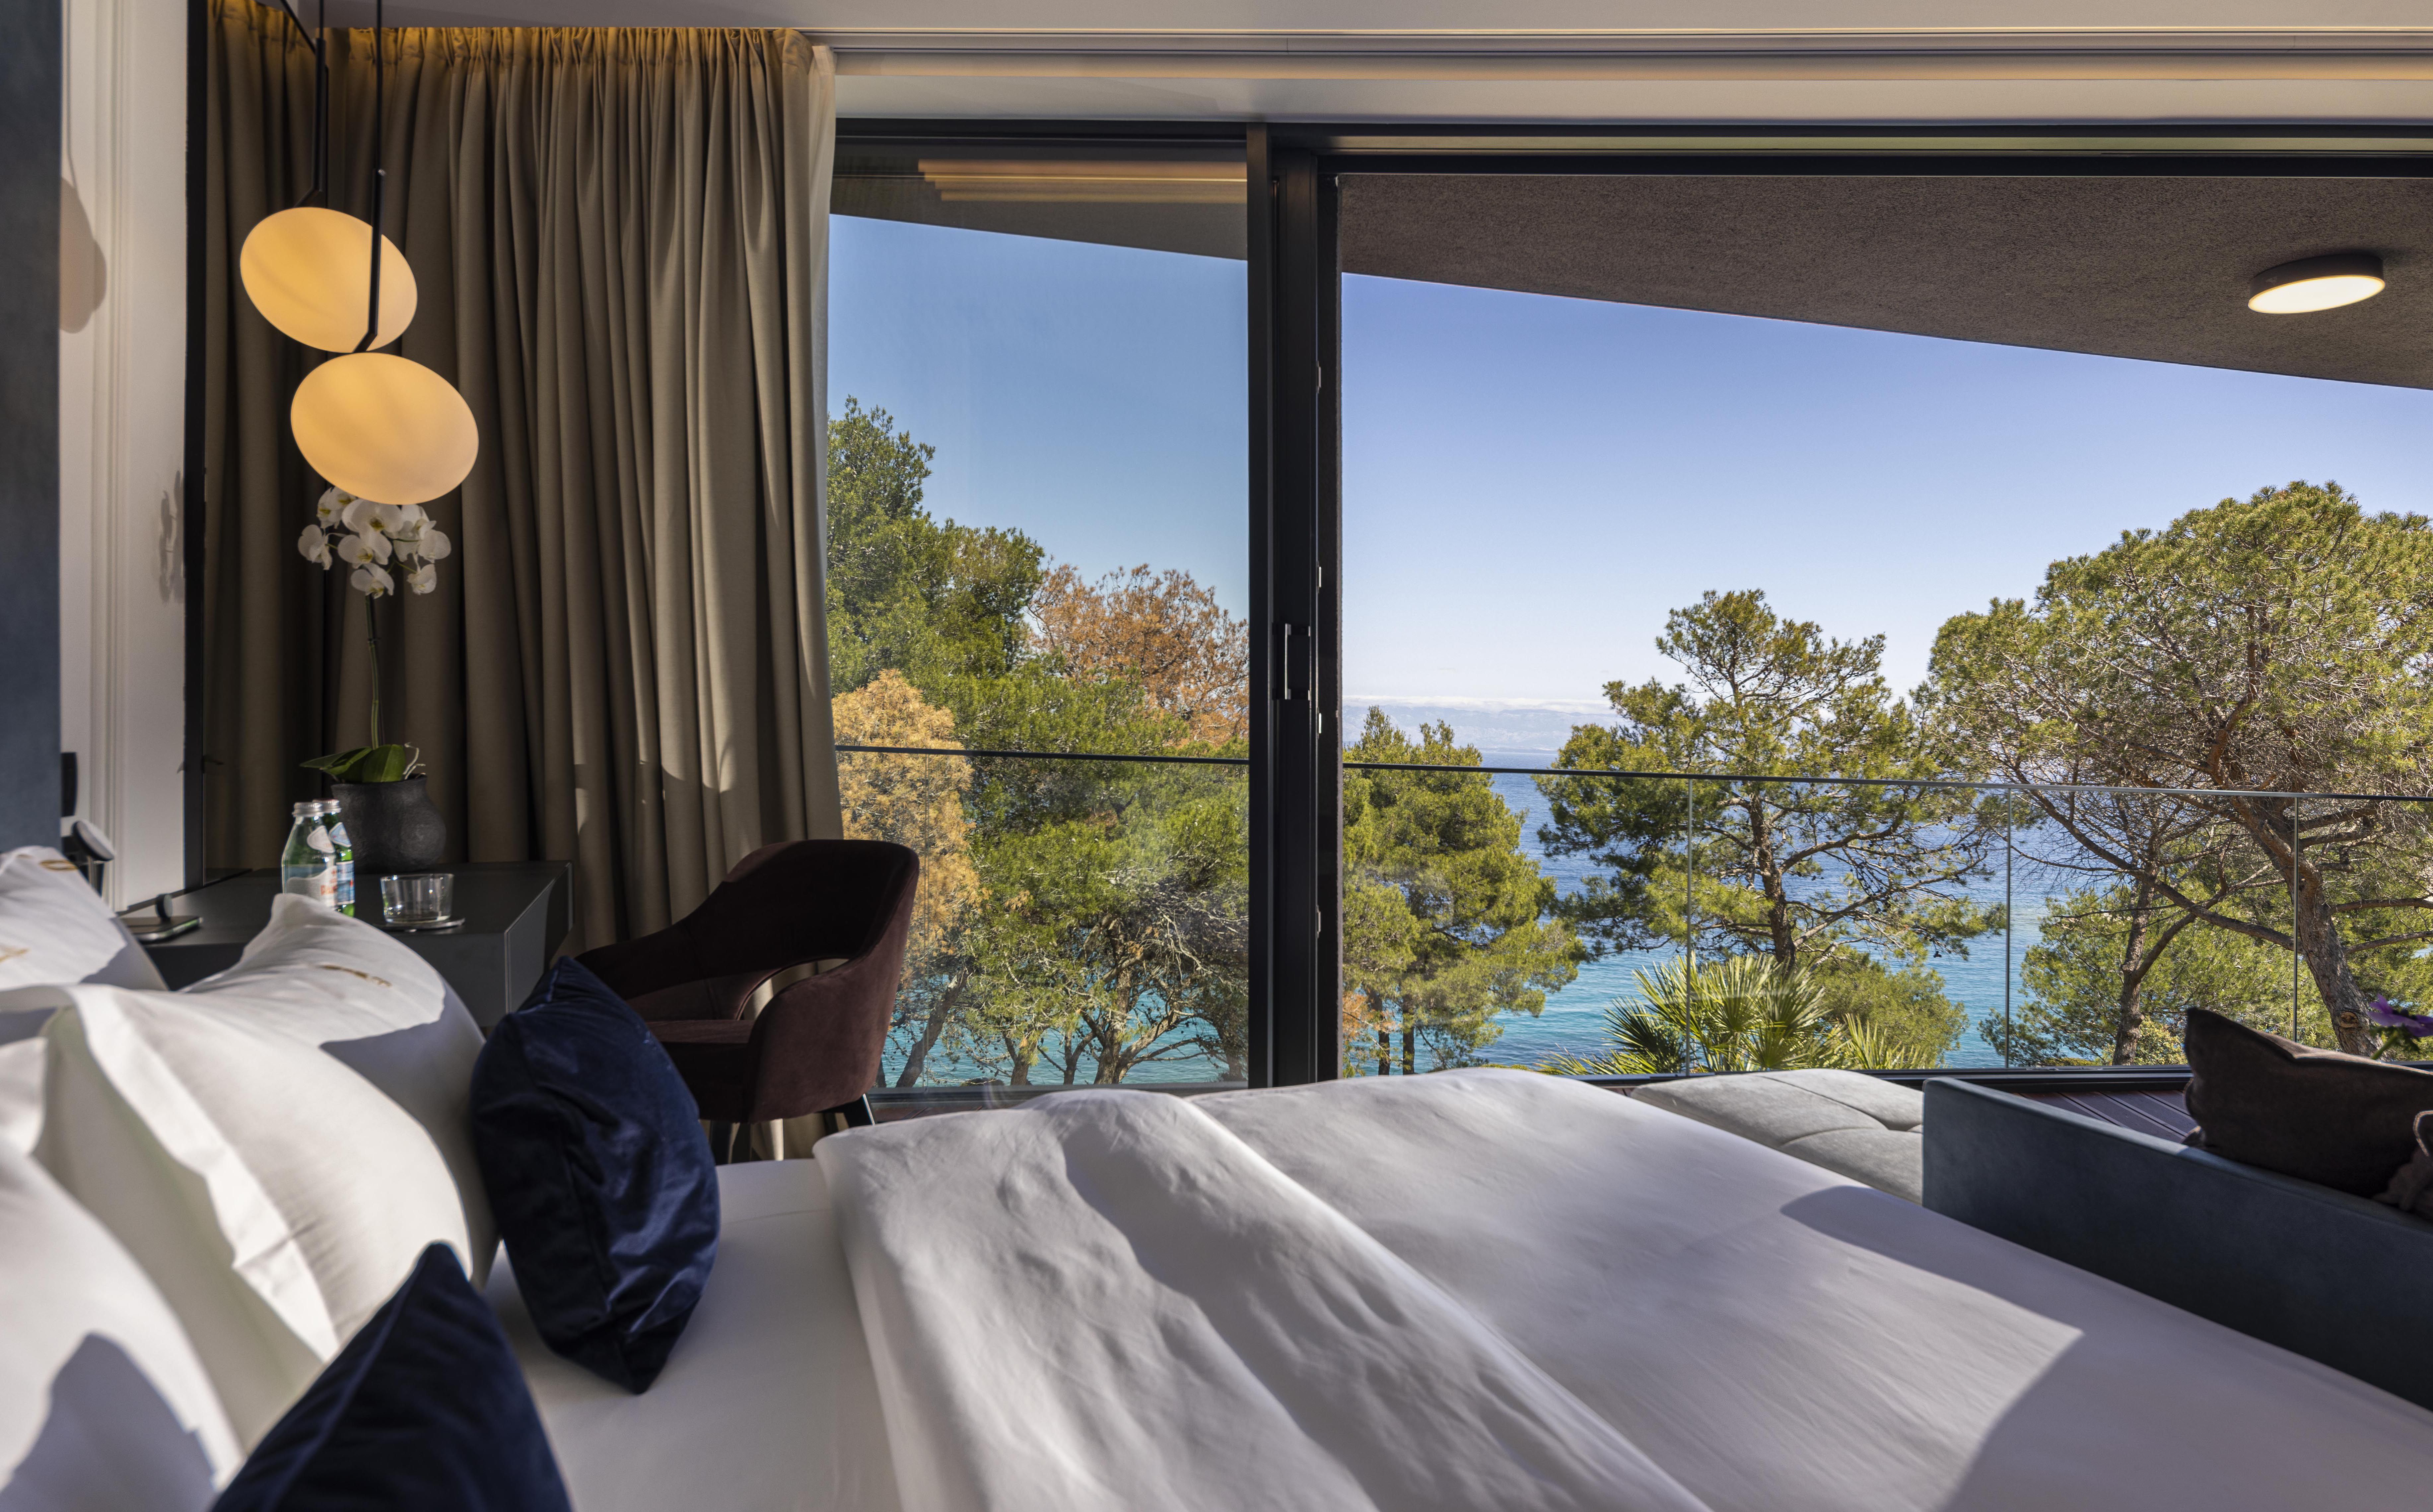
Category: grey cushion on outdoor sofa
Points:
column 2337, row 1278
column 1857, row 1125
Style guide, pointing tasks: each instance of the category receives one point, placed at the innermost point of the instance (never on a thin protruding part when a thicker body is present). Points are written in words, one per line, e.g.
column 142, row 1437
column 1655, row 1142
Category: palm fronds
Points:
column 1738, row 1013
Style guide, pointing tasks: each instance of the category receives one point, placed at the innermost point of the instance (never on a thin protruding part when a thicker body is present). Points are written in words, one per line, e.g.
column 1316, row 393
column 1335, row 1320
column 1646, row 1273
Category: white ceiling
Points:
column 2356, row 62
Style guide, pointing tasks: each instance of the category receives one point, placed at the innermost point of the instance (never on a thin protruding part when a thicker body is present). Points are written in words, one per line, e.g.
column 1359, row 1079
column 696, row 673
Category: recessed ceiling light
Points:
column 2316, row 284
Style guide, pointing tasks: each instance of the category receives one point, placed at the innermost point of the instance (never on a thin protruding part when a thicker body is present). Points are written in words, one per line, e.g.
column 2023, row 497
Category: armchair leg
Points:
column 844, row 1115
column 722, row 1142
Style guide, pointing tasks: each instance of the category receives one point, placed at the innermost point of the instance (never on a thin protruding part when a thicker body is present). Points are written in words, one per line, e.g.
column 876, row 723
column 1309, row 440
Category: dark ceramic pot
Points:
column 393, row 825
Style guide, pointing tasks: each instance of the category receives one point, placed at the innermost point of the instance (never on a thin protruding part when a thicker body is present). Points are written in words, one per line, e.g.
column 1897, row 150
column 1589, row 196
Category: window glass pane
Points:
column 1695, row 476
column 1037, row 545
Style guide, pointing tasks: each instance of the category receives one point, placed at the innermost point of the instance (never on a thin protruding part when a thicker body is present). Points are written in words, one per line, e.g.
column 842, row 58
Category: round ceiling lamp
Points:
column 309, row 271
column 2316, row 284
column 383, row 428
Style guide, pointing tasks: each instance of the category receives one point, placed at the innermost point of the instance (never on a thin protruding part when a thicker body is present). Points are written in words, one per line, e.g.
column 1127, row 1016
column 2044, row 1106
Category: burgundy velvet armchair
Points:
column 814, row 1047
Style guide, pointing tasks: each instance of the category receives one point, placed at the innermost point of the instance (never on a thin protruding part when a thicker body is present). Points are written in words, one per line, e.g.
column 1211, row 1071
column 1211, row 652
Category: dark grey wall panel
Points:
column 29, row 423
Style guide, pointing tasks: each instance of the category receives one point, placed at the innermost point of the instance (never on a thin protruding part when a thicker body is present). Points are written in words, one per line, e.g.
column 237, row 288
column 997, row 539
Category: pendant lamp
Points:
column 309, row 271
column 384, row 429
column 379, row 426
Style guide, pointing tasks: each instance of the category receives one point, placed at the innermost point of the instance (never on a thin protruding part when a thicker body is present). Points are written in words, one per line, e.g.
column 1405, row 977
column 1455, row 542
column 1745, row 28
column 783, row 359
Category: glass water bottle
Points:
column 342, row 847
column 309, row 866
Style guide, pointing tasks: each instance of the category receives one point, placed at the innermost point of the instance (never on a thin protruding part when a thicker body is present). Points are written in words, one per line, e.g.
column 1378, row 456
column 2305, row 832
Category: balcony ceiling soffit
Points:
column 2144, row 267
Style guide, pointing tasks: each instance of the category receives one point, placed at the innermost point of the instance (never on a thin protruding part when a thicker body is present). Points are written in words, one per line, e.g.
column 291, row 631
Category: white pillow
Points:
column 21, row 1076
column 54, row 927
column 274, row 1197
column 102, row 1401
column 363, row 996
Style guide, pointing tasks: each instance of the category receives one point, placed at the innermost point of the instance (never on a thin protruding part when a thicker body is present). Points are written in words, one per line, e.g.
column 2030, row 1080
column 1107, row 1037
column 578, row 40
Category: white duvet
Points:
column 1496, row 1289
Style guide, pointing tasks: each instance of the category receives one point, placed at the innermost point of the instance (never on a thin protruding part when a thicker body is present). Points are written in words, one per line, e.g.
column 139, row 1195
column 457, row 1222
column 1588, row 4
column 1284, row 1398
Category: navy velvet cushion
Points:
column 598, row 1175
column 425, row 1407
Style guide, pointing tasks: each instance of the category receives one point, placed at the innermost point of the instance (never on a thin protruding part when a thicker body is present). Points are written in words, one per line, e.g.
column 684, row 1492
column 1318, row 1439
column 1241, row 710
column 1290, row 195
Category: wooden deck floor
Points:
column 2164, row 1115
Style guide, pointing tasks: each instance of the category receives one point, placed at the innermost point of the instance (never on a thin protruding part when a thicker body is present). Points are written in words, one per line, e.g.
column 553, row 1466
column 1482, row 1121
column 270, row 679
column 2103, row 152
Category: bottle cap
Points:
column 307, row 809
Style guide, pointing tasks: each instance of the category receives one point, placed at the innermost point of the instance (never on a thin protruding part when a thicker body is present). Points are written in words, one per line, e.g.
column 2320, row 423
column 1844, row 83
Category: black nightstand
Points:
column 515, row 916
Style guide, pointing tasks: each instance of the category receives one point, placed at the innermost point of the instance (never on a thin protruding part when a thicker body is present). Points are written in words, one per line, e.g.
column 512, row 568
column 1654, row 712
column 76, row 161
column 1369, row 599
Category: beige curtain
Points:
column 620, row 243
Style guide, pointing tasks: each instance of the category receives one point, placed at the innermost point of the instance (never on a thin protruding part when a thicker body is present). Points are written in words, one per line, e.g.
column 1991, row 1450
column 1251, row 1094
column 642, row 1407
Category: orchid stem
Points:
column 371, row 625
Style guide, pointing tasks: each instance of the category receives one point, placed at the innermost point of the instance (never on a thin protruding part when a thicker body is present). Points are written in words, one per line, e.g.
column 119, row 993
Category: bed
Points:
column 1476, row 1288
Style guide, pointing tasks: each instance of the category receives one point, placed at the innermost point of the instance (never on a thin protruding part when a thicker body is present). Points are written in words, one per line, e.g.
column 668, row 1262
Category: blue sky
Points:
column 1530, row 483
column 1090, row 396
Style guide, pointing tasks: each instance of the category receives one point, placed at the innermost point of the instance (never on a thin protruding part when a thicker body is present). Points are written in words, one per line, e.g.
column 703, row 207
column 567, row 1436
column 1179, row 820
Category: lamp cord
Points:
column 317, row 39
column 380, row 174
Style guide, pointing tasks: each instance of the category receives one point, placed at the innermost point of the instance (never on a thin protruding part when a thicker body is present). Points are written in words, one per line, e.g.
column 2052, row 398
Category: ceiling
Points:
column 1616, row 61
column 2123, row 266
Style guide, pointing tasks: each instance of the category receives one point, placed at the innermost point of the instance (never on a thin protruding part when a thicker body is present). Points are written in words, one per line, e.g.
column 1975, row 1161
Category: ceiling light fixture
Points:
column 2316, row 284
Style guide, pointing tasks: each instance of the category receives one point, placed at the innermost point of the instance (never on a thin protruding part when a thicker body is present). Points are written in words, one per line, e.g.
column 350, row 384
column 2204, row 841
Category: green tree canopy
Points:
column 2276, row 645
column 931, row 598
column 1799, row 870
column 1444, row 916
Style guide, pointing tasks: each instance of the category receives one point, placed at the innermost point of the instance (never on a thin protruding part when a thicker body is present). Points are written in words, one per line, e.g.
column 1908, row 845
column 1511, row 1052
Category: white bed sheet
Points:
column 1784, row 1340
column 1773, row 1337
column 767, row 1404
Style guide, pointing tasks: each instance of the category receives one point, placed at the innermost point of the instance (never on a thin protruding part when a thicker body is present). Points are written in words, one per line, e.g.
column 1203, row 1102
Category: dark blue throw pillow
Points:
column 598, row 1176
column 425, row 1407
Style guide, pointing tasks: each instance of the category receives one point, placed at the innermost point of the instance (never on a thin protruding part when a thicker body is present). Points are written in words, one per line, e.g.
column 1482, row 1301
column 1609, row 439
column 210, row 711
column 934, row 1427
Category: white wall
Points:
column 121, row 428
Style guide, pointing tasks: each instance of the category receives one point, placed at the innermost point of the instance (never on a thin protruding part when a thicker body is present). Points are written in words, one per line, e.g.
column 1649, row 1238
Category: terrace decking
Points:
column 2164, row 1115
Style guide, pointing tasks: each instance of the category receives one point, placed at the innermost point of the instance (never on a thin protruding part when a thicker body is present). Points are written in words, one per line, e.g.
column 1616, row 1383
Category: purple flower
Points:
column 2416, row 1025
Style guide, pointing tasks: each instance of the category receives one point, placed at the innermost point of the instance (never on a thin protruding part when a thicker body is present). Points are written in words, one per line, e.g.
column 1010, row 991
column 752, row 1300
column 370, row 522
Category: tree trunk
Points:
column 1784, row 938
column 2132, row 974
column 1018, row 1074
column 2327, row 960
column 2314, row 929
column 1410, row 1047
column 931, row 1031
column 1385, row 1051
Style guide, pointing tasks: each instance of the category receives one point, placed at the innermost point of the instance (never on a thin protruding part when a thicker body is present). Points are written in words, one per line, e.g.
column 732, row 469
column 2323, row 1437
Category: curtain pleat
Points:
column 620, row 243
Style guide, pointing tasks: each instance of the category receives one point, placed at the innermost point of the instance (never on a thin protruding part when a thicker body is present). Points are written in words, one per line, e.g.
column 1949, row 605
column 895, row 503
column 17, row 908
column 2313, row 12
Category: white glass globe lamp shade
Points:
column 384, row 428
column 308, row 272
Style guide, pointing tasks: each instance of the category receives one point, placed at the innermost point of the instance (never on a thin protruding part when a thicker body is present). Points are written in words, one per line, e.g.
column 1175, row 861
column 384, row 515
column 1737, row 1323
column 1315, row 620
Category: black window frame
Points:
column 1295, row 350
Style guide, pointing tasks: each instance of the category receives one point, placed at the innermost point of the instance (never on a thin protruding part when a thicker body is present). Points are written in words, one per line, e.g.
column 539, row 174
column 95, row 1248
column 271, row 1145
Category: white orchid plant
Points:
column 372, row 539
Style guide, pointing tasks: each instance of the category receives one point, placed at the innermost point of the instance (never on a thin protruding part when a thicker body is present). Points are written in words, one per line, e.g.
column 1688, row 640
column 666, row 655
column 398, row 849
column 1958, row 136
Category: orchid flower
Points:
column 363, row 550
column 334, row 504
column 419, row 538
column 2417, row 1025
column 372, row 582
column 363, row 517
column 422, row 579
column 314, row 544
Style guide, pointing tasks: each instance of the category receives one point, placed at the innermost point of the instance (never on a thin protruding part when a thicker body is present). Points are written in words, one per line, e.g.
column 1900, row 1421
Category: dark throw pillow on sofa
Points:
column 598, row 1175
column 425, row 1407
column 2320, row 1115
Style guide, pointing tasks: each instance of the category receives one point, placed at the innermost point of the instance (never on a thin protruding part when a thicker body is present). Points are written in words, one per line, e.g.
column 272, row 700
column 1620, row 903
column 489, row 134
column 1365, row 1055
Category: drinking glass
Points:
column 420, row 897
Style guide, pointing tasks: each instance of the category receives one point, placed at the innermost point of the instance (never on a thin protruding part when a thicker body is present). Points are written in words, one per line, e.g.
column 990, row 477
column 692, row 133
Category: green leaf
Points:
column 340, row 764
column 368, row 763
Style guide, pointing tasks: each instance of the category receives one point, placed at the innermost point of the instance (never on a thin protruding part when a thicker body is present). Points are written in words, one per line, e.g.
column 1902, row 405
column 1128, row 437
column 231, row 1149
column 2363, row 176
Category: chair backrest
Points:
column 784, row 905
